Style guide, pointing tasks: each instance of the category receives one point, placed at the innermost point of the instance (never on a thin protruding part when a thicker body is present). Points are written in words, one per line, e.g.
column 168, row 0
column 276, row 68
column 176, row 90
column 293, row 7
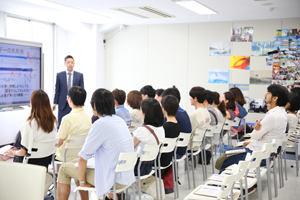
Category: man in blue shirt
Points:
column 182, row 117
column 121, row 111
column 107, row 138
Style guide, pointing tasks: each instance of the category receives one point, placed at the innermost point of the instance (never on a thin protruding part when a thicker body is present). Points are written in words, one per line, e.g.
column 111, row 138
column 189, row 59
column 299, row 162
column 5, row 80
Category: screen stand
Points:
column 11, row 109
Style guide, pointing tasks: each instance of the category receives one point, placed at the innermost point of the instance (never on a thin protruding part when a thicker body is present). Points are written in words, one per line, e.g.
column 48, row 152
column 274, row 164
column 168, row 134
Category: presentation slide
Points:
column 20, row 70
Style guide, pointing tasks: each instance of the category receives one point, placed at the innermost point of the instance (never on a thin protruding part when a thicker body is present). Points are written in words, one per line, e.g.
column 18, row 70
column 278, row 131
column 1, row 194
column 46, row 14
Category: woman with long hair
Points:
column 227, row 105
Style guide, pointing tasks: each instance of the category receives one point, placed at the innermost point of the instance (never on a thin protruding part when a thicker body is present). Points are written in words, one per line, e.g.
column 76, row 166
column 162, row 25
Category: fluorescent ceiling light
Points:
column 196, row 7
column 81, row 15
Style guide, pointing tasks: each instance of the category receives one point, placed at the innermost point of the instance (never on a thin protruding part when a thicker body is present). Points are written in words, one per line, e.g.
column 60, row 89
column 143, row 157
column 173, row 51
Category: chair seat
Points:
column 250, row 183
column 194, row 196
column 195, row 152
column 92, row 189
column 263, row 171
column 146, row 176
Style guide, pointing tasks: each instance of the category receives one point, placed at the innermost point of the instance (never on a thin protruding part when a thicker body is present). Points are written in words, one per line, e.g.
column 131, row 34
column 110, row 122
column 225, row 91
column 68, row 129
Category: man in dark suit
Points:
column 64, row 81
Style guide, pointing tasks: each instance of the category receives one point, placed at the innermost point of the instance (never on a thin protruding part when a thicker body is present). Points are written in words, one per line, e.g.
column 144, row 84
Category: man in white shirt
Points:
column 272, row 126
column 200, row 118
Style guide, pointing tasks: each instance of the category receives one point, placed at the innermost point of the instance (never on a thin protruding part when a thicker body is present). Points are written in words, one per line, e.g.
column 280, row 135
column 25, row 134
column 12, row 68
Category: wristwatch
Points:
column 81, row 181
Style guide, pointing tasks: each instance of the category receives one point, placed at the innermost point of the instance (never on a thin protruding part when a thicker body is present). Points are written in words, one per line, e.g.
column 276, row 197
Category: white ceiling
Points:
column 228, row 10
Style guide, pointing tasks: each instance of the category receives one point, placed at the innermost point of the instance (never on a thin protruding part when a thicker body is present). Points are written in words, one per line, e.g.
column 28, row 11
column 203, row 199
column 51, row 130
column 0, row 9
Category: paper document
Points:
column 210, row 191
column 235, row 151
column 216, row 177
column 239, row 144
column 90, row 163
column 4, row 149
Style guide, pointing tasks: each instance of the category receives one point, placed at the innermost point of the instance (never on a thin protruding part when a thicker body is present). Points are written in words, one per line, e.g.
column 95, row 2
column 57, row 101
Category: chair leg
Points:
column 188, row 171
column 203, row 170
column 241, row 189
column 285, row 165
column 160, row 179
column 212, row 158
column 297, row 160
column 279, row 171
column 275, row 178
column 174, row 180
column 156, row 184
column 246, row 187
column 269, row 178
column 193, row 172
column 259, row 188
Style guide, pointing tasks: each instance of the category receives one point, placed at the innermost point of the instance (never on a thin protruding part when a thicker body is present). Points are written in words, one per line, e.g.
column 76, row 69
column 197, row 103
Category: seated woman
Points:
column 41, row 126
column 153, row 121
column 291, row 107
column 227, row 107
column 134, row 99
column 170, row 106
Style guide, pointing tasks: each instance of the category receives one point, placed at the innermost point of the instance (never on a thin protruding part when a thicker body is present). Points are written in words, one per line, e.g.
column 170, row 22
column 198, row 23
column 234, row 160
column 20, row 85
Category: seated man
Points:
column 77, row 122
column 272, row 126
column 147, row 92
column 182, row 118
column 107, row 138
column 200, row 118
column 121, row 111
column 208, row 105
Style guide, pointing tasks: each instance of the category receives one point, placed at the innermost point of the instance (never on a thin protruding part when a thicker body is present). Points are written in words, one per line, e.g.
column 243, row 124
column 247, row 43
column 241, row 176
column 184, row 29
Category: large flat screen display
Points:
column 20, row 71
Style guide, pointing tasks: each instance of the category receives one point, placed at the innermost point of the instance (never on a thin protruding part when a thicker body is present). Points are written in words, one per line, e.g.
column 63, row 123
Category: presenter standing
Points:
column 64, row 81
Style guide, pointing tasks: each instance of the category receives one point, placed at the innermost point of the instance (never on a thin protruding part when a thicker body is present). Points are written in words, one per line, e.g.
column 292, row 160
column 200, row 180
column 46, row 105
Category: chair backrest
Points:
column 183, row 139
column 31, row 181
column 266, row 149
column 127, row 161
column 40, row 150
column 242, row 167
column 276, row 143
column 199, row 135
column 75, row 141
column 228, row 183
column 168, row 145
column 210, row 131
column 254, row 159
column 219, row 127
column 149, row 152
column 236, row 121
column 227, row 125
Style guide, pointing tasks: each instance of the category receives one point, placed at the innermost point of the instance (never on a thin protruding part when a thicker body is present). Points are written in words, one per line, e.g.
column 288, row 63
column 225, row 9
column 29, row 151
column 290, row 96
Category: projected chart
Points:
column 20, row 69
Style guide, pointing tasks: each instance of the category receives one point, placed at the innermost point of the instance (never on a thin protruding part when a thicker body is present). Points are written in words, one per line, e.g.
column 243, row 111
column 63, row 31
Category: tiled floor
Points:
column 290, row 191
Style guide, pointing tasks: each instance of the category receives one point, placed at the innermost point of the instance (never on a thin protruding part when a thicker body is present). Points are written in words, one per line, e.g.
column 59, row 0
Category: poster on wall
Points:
column 218, row 76
column 260, row 77
column 243, row 87
column 257, row 106
column 261, row 48
column 241, row 34
column 219, row 49
column 240, row 62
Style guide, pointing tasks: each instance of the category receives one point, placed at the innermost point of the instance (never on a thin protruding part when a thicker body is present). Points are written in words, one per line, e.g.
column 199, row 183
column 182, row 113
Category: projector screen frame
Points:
column 31, row 44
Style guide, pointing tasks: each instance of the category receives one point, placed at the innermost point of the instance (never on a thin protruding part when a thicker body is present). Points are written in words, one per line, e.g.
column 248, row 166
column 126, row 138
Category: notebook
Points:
column 4, row 149
column 90, row 163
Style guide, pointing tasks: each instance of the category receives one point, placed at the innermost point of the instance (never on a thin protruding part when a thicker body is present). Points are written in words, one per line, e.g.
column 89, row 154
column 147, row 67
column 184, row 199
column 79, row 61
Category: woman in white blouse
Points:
column 134, row 99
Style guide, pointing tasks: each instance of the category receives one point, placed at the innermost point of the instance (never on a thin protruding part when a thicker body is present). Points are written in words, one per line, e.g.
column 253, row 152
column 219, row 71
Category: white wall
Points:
column 178, row 54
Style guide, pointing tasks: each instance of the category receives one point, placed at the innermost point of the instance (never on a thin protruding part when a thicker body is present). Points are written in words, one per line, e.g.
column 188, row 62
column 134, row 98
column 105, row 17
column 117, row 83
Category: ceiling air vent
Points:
column 144, row 12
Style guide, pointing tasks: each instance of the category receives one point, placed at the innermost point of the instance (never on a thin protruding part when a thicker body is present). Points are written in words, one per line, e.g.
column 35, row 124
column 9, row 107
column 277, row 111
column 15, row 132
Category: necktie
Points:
column 69, row 81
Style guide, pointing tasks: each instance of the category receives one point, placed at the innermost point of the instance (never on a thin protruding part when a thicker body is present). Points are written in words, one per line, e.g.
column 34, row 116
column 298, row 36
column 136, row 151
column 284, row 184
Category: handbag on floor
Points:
column 208, row 157
column 148, row 186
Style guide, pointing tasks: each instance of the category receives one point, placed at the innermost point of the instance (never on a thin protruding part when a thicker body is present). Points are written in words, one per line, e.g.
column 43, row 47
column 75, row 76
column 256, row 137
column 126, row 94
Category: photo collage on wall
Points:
column 286, row 63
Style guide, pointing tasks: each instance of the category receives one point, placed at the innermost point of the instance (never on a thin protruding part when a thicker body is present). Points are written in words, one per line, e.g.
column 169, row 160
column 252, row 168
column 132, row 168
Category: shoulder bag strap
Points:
column 214, row 116
column 151, row 130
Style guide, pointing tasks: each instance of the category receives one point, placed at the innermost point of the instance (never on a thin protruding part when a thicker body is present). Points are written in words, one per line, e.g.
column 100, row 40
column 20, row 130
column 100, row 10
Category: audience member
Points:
column 215, row 104
column 121, row 111
column 134, row 99
column 292, row 106
column 208, row 105
column 200, row 118
column 107, row 138
column 239, row 101
column 227, row 105
column 158, row 93
column 272, row 126
column 152, row 129
column 41, row 126
column 77, row 122
column 147, row 92
column 182, row 118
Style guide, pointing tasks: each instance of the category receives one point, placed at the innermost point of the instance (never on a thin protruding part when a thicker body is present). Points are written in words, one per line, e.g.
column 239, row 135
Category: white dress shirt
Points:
column 273, row 126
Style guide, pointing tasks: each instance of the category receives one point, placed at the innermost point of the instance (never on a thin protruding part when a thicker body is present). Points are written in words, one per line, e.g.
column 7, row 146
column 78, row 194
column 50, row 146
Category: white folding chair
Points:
column 236, row 122
column 126, row 162
column 31, row 181
column 210, row 133
column 218, row 130
column 149, row 153
column 224, row 188
column 227, row 127
column 278, row 143
column 183, row 141
column 167, row 146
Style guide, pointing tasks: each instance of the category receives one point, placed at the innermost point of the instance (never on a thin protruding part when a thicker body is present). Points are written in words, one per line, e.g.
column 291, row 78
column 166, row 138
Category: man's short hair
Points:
column 134, row 99
column 210, row 97
column 159, row 92
column 280, row 92
column 170, row 104
column 148, row 89
column 78, row 95
column 119, row 96
column 198, row 92
column 294, row 100
column 296, row 90
column 172, row 91
column 103, row 102
column 68, row 56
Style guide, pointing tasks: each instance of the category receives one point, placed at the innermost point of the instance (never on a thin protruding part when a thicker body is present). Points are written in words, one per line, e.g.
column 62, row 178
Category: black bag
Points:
column 208, row 157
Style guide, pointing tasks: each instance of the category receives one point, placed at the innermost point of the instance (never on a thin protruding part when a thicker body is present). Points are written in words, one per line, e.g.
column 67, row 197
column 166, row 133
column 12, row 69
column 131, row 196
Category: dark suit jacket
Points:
column 61, row 87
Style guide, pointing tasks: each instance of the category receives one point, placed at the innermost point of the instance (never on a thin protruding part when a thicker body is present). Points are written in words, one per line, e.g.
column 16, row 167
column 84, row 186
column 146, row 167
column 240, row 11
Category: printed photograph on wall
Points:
column 247, row 34
column 298, row 40
column 242, row 34
column 240, row 62
column 218, row 76
column 260, row 77
column 278, row 33
column 261, row 48
column 219, row 49
column 243, row 87
column 257, row 106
